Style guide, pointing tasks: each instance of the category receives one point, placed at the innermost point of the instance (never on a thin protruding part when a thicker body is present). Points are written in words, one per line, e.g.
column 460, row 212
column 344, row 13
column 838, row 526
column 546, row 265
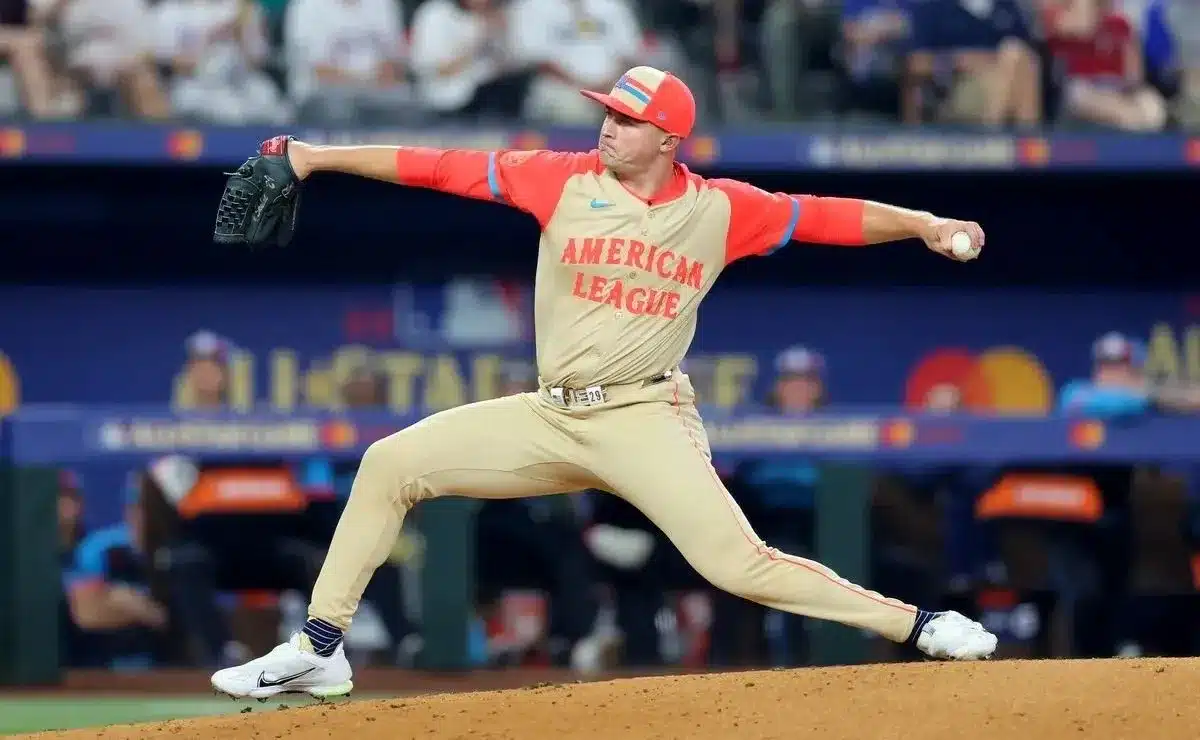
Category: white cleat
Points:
column 951, row 636
column 291, row 668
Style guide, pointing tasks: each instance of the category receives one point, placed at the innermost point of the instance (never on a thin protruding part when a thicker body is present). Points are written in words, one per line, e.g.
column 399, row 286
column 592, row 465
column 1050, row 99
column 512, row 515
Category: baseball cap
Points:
column 1116, row 347
column 653, row 96
column 799, row 361
column 69, row 481
column 206, row 344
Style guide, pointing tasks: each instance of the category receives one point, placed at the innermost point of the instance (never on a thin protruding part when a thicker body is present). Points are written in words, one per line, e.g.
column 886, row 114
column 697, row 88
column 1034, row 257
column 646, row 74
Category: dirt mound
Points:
column 1029, row 700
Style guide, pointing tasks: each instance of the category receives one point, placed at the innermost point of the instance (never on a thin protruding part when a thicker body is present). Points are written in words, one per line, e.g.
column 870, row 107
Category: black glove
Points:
column 261, row 199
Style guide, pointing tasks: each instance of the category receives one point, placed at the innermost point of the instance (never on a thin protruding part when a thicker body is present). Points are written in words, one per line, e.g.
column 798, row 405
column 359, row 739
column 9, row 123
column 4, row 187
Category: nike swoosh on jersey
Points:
column 264, row 682
column 600, row 203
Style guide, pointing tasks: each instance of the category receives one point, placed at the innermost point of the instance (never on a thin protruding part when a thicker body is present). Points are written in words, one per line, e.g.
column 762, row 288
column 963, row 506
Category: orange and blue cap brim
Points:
column 608, row 101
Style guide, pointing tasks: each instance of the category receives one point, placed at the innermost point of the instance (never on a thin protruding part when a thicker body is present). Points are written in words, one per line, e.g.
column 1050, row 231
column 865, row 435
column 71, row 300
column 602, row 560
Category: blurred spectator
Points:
column 109, row 53
column 979, row 51
column 108, row 592
column 874, row 36
column 213, row 52
column 1101, row 65
column 346, row 61
column 723, row 55
column 1118, row 385
column 206, row 374
column 1159, row 615
column 1176, row 25
column 573, row 45
column 70, row 515
column 73, row 643
column 462, row 57
column 1160, row 603
column 23, row 46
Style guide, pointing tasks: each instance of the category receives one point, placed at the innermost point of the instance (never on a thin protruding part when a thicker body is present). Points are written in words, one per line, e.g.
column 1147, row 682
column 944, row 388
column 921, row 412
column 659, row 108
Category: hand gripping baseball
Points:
column 261, row 199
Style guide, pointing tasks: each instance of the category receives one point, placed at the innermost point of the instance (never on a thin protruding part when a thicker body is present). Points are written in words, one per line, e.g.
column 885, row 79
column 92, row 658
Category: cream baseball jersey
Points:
column 620, row 278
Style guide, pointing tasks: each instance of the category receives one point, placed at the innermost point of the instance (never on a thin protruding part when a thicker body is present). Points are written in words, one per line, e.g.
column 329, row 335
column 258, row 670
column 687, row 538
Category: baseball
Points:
column 963, row 247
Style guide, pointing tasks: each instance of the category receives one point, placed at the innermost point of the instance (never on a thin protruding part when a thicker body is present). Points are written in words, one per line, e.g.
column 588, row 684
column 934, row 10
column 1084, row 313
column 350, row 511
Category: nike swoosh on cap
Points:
column 264, row 682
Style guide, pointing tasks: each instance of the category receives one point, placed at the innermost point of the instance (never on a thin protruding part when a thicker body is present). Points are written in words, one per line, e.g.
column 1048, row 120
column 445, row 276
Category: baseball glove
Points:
column 261, row 199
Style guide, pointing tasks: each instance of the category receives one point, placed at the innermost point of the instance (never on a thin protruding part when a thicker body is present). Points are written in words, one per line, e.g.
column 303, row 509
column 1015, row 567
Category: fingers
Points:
column 976, row 232
column 942, row 241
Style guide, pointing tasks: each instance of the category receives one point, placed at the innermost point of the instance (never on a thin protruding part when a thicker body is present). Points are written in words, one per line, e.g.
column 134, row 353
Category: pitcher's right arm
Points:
column 529, row 180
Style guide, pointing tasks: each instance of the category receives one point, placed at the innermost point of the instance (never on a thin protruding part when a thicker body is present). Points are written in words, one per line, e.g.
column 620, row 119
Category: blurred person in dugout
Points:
column 463, row 59
column 573, row 45
column 777, row 497
column 107, row 47
column 971, row 61
column 73, row 643
column 544, row 551
column 346, row 61
column 1099, row 57
column 121, row 625
column 212, row 53
column 1159, row 610
column 23, row 46
column 326, row 483
column 204, row 382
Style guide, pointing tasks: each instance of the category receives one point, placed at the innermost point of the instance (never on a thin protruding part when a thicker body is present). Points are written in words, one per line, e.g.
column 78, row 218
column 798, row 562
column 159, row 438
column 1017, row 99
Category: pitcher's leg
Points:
column 659, row 462
column 493, row 449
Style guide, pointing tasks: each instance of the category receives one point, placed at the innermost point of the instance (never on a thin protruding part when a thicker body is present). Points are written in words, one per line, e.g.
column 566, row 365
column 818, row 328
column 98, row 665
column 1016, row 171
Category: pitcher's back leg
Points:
column 655, row 455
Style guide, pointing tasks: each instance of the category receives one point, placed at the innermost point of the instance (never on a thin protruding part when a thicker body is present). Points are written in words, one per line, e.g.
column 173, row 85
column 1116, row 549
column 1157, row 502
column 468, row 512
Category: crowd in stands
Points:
column 1120, row 64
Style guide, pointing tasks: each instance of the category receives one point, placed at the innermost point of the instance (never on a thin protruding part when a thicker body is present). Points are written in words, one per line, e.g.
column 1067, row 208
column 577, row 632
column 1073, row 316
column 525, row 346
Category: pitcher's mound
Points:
column 1026, row 700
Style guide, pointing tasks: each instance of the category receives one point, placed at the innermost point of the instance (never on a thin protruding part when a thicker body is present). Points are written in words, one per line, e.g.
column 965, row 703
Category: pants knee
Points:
column 735, row 574
column 396, row 468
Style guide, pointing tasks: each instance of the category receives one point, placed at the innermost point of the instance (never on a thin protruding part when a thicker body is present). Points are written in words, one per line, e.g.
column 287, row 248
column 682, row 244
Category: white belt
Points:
column 589, row 396
column 593, row 394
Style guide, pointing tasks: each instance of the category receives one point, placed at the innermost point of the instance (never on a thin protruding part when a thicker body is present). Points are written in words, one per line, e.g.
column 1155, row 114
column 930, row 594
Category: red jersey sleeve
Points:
column 761, row 223
column 529, row 180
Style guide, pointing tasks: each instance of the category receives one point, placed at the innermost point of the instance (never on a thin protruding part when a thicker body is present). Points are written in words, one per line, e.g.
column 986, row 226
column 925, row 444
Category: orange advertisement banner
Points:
column 239, row 491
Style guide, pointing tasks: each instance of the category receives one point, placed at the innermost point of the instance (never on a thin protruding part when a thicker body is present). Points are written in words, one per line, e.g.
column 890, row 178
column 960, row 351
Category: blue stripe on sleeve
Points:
column 493, row 179
column 791, row 227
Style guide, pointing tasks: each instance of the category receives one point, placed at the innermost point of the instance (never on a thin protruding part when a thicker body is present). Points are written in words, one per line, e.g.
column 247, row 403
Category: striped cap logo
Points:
column 637, row 86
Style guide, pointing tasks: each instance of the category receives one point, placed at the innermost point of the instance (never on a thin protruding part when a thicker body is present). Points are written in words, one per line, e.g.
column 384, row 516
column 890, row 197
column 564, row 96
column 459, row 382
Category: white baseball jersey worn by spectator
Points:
column 340, row 52
column 443, row 32
column 589, row 42
column 216, row 48
column 106, row 37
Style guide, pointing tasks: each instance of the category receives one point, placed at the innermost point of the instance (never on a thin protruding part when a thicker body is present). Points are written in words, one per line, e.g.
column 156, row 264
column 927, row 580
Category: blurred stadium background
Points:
column 1014, row 438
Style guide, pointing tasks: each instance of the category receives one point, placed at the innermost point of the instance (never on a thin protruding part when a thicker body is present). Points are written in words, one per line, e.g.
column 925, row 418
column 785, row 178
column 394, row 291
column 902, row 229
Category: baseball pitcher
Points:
column 631, row 242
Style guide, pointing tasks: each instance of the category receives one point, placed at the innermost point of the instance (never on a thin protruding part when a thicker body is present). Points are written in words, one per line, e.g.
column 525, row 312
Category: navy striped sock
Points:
column 923, row 618
column 324, row 636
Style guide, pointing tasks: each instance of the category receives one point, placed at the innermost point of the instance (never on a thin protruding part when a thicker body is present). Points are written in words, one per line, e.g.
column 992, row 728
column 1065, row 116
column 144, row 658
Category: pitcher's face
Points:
column 628, row 145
